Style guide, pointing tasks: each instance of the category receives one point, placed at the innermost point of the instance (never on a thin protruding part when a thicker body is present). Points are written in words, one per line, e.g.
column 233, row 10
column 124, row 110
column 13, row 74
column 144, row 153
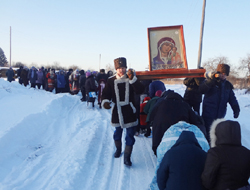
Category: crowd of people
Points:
column 90, row 84
column 195, row 150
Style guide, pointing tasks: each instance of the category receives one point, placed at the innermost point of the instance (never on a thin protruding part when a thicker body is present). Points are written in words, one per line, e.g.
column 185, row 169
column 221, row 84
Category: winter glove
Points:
column 236, row 110
column 131, row 74
column 106, row 105
column 211, row 75
column 236, row 114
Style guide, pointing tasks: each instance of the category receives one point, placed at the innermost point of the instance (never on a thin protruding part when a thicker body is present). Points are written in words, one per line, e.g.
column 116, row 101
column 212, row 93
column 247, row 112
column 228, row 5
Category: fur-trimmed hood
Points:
column 225, row 132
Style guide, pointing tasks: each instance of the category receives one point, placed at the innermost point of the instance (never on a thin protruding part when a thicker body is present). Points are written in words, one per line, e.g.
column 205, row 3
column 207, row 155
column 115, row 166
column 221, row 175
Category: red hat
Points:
column 158, row 93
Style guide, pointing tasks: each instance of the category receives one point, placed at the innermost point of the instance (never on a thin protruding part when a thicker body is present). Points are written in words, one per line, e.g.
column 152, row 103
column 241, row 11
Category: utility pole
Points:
column 10, row 46
column 201, row 34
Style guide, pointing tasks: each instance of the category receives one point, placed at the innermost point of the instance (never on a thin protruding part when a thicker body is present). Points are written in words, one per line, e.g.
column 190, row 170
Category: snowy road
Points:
column 56, row 142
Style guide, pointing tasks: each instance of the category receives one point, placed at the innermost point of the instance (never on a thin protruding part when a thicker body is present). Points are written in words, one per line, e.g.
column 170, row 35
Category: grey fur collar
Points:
column 213, row 137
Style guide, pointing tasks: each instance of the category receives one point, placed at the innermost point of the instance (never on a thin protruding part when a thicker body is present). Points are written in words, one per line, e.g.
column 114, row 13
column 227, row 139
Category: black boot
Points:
column 118, row 151
column 127, row 155
column 148, row 133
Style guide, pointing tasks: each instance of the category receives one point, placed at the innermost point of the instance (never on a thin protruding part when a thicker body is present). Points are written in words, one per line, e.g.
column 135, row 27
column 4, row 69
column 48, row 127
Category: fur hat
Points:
column 223, row 68
column 120, row 62
column 102, row 70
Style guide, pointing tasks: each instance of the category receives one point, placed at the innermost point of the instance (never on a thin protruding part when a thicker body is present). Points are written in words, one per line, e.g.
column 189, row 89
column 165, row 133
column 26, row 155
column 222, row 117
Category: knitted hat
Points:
column 120, row 62
column 223, row 68
column 158, row 93
column 88, row 74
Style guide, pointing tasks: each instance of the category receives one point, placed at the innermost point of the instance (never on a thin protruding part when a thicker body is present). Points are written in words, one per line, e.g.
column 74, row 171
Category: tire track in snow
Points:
column 97, row 159
column 58, row 165
column 103, row 163
column 83, row 129
column 135, row 175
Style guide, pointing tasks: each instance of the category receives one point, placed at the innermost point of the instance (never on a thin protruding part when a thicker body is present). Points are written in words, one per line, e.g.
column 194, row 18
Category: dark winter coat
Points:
column 40, row 77
column 32, row 76
column 171, row 110
column 217, row 94
column 101, row 86
column 82, row 81
column 24, row 76
column 121, row 91
column 19, row 71
column 90, row 85
column 102, row 76
column 61, row 80
column 67, row 89
column 155, row 86
column 182, row 165
column 192, row 93
column 146, row 84
column 158, row 102
column 228, row 162
column 149, row 107
column 10, row 75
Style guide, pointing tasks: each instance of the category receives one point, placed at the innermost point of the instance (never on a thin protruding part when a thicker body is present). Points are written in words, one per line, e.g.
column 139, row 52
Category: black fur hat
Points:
column 120, row 62
column 223, row 68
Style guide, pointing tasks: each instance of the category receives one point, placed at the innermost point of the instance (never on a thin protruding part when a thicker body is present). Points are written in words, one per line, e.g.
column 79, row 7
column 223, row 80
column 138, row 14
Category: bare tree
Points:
column 212, row 63
column 74, row 67
column 17, row 64
column 245, row 65
column 110, row 67
column 56, row 65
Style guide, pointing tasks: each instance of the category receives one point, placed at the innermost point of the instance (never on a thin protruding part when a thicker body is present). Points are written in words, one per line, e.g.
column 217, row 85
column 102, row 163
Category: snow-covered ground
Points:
column 55, row 142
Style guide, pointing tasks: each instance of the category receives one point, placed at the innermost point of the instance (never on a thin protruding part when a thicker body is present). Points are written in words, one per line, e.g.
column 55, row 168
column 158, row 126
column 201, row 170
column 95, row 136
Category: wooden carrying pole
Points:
column 170, row 73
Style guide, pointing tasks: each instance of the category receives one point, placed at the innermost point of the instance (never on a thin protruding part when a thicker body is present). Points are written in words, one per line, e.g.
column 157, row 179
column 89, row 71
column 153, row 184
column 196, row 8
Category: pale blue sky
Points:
column 76, row 32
